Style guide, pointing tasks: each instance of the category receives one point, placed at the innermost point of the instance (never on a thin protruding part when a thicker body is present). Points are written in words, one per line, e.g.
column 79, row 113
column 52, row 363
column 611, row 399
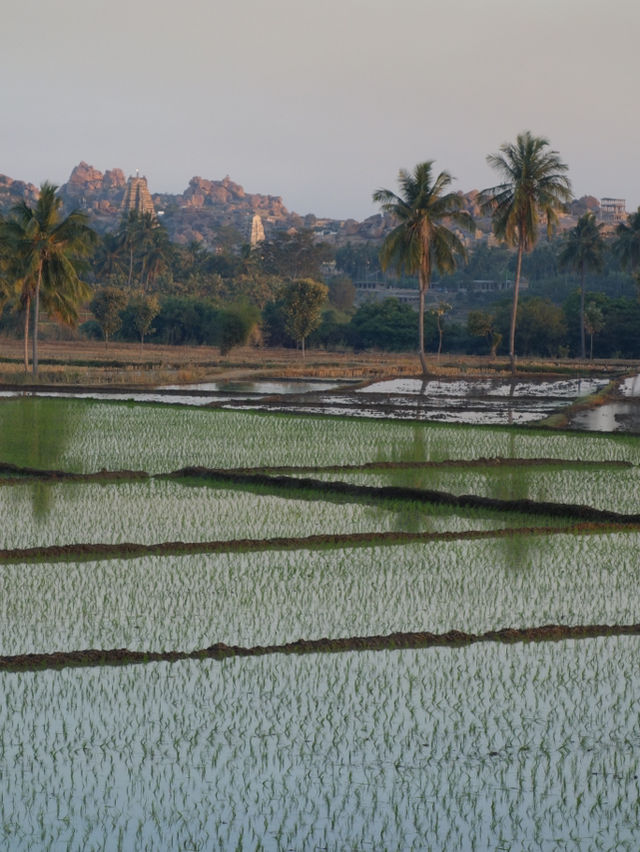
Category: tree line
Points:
column 294, row 290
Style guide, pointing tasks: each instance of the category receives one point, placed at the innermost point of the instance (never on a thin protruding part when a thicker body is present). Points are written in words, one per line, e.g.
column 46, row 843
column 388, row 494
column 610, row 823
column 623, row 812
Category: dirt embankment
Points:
column 87, row 363
column 391, row 642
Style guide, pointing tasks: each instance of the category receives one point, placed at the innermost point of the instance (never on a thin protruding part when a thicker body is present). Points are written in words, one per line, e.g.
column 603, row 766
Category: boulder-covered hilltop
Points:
column 220, row 212
column 206, row 206
column 14, row 191
column 210, row 211
column 198, row 213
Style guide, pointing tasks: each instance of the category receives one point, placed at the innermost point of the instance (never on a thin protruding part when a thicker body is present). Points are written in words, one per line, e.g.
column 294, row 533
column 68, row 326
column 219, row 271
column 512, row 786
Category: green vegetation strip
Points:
column 393, row 492
column 391, row 642
column 133, row 550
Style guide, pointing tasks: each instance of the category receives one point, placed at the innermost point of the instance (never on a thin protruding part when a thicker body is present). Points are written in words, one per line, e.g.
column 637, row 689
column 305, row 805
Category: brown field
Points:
column 79, row 362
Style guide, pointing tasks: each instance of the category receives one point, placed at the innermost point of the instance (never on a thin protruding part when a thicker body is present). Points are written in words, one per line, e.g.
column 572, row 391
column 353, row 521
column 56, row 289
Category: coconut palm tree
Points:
column 627, row 245
column 535, row 186
column 5, row 261
column 46, row 249
column 594, row 322
column 422, row 240
column 583, row 250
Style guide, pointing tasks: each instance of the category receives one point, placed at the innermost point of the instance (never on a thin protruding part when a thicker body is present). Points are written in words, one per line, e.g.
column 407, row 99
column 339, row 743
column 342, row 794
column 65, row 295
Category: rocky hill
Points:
column 208, row 211
column 213, row 212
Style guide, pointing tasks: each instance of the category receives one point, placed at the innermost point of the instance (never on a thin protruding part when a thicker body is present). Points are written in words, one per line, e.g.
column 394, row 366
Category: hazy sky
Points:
column 319, row 101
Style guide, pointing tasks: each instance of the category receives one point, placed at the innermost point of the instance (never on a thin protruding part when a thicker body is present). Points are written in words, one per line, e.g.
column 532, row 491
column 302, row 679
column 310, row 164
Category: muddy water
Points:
column 623, row 416
column 472, row 401
column 197, row 394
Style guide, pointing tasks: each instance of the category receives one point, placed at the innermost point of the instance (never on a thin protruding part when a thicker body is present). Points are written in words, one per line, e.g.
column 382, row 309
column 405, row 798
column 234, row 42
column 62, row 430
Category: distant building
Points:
column 137, row 197
column 370, row 291
column 613, row 210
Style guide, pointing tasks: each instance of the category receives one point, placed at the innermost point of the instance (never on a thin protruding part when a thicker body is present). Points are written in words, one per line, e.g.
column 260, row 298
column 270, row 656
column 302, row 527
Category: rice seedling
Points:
column 498, row 763
column 92, row 435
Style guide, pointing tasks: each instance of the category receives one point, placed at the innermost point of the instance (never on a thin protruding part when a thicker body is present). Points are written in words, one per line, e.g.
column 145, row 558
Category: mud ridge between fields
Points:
column 333, row 488
column 391, row 642
column 447, row 463
column 393, row 492
column 11, row 473
column 133, row 550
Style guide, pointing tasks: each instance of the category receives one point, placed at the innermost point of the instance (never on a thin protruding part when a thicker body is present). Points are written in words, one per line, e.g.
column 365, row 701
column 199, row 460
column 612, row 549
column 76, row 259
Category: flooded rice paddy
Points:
column 488, row 401
column 498, row 745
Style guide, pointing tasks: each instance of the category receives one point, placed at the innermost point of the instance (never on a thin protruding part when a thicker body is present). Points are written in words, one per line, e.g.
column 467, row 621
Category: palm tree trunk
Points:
column 36, row 312
column 423, row 360
column 27, row 312
column 514, row 311
column 583, row 349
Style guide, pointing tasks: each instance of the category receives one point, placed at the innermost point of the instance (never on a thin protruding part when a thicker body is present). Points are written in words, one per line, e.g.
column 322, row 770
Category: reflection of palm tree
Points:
column 535, row 184
column 36, row 433
column 421, row 242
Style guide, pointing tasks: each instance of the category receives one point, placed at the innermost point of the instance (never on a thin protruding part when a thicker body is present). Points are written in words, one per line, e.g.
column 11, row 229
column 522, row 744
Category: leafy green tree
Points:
column 534, row 186
column 542, row 326
column 627, row 245
column 390, row 325
column 583, row 250
column 144, row 309
column 302, row 303
column 107, row 306
column 235, row 325
column 482, row 324
column 47, row 249
column 421, row 242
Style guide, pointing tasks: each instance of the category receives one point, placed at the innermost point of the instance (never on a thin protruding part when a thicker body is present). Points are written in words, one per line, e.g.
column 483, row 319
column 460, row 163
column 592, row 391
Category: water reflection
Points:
column 611, row 417
column 36, row 434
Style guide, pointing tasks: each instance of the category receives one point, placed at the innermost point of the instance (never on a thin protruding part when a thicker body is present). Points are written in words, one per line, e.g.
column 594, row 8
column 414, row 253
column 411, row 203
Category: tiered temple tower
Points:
column 137, row 197
column 257, row 231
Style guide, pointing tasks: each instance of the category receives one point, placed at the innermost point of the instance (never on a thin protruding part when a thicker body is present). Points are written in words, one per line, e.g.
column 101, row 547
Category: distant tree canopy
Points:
column 302, row 303
column 390, row 324
column 195, row 322
column 293, row 256
column 107, row 306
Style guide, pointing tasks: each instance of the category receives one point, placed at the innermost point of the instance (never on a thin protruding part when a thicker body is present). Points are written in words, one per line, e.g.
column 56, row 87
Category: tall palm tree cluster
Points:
column 534, row 185
column 42, row 251
column 534, row 188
